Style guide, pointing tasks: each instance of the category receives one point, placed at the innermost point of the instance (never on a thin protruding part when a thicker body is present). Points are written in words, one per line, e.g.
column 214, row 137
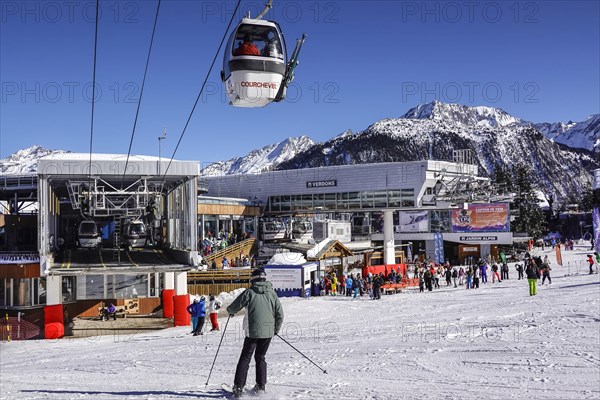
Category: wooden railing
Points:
column 217, row 281
column 231, row 252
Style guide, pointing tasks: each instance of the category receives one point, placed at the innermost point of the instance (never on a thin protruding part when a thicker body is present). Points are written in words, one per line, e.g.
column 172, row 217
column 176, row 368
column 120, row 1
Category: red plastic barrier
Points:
column 54, row 323
column 182, row 317
column 386, row 269
column 167, row 301
column 54, row 330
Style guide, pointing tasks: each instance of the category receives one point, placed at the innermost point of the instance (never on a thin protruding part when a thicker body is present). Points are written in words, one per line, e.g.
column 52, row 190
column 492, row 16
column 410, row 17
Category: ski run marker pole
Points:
column 217, row 353
column 289, row 344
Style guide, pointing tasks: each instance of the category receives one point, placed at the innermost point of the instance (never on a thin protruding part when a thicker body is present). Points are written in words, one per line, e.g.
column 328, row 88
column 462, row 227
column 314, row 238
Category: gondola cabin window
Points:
column 257, row 40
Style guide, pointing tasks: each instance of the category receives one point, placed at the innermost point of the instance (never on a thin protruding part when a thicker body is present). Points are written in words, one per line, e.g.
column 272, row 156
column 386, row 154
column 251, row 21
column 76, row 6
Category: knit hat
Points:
column 258, row 274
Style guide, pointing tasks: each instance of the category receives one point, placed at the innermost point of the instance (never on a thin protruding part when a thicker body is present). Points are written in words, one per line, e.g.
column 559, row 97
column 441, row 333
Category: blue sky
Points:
column 363, row 61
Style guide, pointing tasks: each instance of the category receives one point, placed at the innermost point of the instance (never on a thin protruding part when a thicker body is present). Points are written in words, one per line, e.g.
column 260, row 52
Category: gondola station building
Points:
column 441, row 210
column 110, row 228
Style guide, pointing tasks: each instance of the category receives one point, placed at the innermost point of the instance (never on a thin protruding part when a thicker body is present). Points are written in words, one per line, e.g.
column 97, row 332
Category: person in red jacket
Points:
column 247, row 48
column 590, row 260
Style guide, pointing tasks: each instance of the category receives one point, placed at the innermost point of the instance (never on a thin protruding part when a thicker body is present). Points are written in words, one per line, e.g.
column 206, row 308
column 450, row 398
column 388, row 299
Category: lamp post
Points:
column 164, row 136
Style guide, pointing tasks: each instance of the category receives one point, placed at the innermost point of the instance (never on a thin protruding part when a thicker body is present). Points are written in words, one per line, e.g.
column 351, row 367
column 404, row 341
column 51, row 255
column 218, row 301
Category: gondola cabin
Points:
column 302, row 230
column 273, row 231
column 254, row 64
column 134, row 234
column 88, row 236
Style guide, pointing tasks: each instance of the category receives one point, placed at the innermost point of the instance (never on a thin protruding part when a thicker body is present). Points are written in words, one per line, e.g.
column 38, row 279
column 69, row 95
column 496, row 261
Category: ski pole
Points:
column 289, row 344
column 217, row 353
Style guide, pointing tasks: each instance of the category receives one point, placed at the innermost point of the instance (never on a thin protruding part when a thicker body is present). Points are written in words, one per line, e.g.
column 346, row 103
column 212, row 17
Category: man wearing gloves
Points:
column 263, row 320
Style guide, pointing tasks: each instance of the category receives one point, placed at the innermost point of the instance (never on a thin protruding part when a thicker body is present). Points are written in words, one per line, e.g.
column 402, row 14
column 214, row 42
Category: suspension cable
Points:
column 201, row 89
column 93, row 104
column 141, row 92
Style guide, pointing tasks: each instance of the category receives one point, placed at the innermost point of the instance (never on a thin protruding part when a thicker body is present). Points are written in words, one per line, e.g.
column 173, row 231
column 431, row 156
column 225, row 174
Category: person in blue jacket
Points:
column 198, row 311
column 111, row 310
column 349, row 284
column 201, row 312
column 191, row 309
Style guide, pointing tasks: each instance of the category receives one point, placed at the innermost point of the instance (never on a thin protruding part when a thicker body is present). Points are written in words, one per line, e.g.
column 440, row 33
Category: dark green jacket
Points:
column 264, row 314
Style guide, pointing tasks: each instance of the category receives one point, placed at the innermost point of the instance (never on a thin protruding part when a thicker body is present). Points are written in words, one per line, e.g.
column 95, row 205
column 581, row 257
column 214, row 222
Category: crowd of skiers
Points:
column 353, row 285
column 429, row 275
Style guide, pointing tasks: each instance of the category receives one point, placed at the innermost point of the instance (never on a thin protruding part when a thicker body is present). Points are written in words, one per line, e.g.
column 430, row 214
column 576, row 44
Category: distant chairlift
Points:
column 255, row 70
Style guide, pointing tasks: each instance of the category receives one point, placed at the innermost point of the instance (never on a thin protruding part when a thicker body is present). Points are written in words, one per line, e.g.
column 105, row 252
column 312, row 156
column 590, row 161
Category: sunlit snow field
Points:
column 496, row 342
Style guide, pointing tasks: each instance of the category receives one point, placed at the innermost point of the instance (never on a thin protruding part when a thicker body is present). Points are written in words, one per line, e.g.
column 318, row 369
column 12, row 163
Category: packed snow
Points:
column 495, row 342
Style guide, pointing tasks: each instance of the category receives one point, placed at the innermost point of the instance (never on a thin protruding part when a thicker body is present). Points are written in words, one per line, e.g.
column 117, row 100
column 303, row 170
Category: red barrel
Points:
column 167, row 300
column 54, row 330
column 182, row 317
column 54, row 323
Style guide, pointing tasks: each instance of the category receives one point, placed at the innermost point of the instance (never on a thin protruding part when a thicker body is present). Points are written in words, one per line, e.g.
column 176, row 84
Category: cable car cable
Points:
column 141, row 92
column 93, row 101
column 202, row 88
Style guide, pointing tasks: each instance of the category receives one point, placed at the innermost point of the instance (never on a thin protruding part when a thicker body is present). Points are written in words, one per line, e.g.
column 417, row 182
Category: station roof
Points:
column 59, row 168
column 74, row 164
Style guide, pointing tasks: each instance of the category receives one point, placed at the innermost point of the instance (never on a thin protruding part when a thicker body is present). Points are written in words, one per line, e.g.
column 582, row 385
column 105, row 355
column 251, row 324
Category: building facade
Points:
column 428, row 205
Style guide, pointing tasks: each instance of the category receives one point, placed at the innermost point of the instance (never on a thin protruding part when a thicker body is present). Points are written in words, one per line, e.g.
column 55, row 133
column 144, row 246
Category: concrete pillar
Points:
column 430, row 249
column 180, row 283
column 485, row 250
column 53, row 290
column 389, row 249
column 169, row 280
column 202, row 232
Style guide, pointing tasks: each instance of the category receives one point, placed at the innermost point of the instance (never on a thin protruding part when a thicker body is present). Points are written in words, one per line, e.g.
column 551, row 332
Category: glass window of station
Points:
column 401, row 198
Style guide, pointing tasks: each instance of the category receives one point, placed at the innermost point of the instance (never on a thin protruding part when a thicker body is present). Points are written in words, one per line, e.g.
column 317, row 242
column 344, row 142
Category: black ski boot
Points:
column 258, row 389
column 238, row 392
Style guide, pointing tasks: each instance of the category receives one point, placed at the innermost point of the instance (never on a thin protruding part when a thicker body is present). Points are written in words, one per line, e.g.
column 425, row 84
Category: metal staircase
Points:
column 117, row 241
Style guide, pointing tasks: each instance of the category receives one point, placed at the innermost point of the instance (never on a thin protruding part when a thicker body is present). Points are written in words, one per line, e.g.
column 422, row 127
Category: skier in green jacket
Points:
column 263, row 320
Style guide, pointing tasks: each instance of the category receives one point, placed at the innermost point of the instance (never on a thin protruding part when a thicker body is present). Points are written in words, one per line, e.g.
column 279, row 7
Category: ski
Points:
column 227, row 388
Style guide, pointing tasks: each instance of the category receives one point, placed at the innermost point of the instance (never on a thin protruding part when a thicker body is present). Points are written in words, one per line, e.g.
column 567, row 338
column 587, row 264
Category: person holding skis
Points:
column 213, row 308
column 263, row 320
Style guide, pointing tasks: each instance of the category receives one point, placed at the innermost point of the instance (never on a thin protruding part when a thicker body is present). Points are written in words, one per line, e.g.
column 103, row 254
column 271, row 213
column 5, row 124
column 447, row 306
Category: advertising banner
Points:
column 413, row 221
column 558, row 255
column 481, row 218
column 438, row 241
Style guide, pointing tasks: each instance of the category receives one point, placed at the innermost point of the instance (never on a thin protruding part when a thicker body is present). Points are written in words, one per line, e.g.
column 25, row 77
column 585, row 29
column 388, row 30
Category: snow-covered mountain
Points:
column 25, row 161
column 432, row 131
column 584, row 134
column 462, row 115
column 260, row 160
